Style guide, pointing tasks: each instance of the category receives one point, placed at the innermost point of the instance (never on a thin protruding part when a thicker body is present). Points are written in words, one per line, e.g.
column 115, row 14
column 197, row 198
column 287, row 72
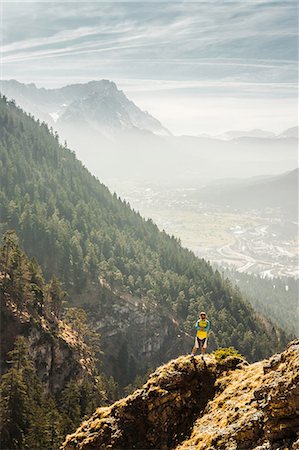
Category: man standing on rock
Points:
column 202, row 326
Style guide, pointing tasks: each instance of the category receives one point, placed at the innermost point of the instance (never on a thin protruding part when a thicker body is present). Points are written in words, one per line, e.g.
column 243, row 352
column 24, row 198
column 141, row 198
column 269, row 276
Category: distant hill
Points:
column 290, row 133
column 256, row 133
column 279, row 191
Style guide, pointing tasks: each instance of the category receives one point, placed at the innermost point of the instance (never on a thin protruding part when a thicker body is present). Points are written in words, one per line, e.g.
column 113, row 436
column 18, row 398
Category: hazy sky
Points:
column 204, row 66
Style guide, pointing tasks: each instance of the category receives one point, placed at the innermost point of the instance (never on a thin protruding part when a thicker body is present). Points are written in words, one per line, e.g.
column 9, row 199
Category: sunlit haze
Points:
column 199, row 67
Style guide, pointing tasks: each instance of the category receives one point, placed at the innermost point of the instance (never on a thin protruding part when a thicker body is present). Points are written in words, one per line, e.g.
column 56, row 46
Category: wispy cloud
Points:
column 216, row 47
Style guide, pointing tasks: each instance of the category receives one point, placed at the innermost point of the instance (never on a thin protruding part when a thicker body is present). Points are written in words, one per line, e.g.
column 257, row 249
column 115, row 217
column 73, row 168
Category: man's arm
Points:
column 208, row 326
column 197, row 325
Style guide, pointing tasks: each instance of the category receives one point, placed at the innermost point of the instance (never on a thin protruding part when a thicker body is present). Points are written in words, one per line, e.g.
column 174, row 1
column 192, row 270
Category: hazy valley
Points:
column 261, row 240
column 187, row 185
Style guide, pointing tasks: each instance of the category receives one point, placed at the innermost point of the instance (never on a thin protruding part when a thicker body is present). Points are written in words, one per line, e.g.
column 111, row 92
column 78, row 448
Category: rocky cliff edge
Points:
column 194, row 404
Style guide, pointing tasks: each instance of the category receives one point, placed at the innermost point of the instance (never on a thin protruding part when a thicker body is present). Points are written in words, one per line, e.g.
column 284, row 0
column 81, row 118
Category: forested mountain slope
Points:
column 76, row 229
column 273, row 297
column 49, row 380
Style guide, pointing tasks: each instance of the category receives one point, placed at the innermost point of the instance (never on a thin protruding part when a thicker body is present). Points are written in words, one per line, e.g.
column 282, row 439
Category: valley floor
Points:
column 253, row 242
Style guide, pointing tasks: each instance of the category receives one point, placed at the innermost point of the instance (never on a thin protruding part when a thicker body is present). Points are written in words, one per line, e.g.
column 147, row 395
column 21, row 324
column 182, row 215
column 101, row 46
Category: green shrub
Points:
column 224, row 352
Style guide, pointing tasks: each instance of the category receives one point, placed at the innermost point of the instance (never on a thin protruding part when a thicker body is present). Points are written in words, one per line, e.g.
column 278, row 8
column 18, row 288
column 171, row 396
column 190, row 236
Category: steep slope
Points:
column 58, row 353
column 80, row 232
column 96, row 106
column 255, row 408
column 135, row 333
column 49, row 381
column 32, row 309
column 190, row 403
column 271, row 296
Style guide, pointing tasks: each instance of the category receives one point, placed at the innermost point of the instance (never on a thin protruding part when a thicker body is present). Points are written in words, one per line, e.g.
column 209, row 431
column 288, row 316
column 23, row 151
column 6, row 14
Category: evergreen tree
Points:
column 15, row 410
column 70, row 406
column 21, row 398
column 55, row 296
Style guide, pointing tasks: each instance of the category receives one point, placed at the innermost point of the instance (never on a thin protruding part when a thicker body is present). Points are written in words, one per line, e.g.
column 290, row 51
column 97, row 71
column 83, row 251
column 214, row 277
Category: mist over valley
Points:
column 232, row 199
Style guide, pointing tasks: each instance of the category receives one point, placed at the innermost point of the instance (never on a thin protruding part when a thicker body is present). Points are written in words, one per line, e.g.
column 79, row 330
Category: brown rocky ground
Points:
column 192, row 404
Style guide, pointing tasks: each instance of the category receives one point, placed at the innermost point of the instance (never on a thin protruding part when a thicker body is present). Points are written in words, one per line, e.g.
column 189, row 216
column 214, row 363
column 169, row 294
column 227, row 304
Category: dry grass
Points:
column 235, row 404
column 253, row 403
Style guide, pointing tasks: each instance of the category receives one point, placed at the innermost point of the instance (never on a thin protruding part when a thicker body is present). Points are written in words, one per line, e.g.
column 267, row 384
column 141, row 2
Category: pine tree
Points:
column 55, row 296
column 16, row 396
column 15, row 273
column 28, row 418
column 15, row 410
column 54, row 423
column 70, row 406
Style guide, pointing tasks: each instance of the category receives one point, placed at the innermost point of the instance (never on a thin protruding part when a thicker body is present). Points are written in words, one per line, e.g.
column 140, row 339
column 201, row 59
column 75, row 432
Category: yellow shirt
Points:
column 202, row 324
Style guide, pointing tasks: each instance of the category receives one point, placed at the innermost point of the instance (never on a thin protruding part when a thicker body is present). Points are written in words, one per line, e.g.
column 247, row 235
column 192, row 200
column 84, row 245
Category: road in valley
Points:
column 255, row 250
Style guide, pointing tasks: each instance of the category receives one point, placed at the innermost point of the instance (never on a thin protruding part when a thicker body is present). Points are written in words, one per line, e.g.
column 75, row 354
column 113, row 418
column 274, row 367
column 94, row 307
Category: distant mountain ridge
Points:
column 99, row 105
column 102, row 105
column 117, row 140
column 280, row 191
column 256, row 133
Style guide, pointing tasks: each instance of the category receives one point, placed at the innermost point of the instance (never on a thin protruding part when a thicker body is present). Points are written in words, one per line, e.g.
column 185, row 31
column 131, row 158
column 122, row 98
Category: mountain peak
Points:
column 103, row 82
column 98, row 106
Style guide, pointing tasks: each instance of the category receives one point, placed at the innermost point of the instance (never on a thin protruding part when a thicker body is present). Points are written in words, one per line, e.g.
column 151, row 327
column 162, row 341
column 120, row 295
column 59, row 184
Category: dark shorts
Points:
column 201, row 343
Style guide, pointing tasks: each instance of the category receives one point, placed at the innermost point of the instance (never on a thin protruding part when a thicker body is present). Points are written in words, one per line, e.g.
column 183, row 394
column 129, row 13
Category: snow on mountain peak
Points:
column 98, row 104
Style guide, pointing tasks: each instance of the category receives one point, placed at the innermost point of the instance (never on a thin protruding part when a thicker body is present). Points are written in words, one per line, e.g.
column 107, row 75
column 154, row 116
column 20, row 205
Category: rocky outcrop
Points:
column 255, row 408
column 136, row 334
column 57, row 352
column 195, row 404
column 156, row 416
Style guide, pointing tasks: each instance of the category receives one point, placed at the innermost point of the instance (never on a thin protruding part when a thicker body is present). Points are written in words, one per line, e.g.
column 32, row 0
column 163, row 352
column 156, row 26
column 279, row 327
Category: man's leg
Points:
column 196, row 345
column 204, row 346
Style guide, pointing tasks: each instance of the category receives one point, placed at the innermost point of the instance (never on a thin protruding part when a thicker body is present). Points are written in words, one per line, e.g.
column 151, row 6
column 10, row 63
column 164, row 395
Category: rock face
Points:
column 255, row 408
column 195, row 404
column 135, row 335
column 57, row 352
